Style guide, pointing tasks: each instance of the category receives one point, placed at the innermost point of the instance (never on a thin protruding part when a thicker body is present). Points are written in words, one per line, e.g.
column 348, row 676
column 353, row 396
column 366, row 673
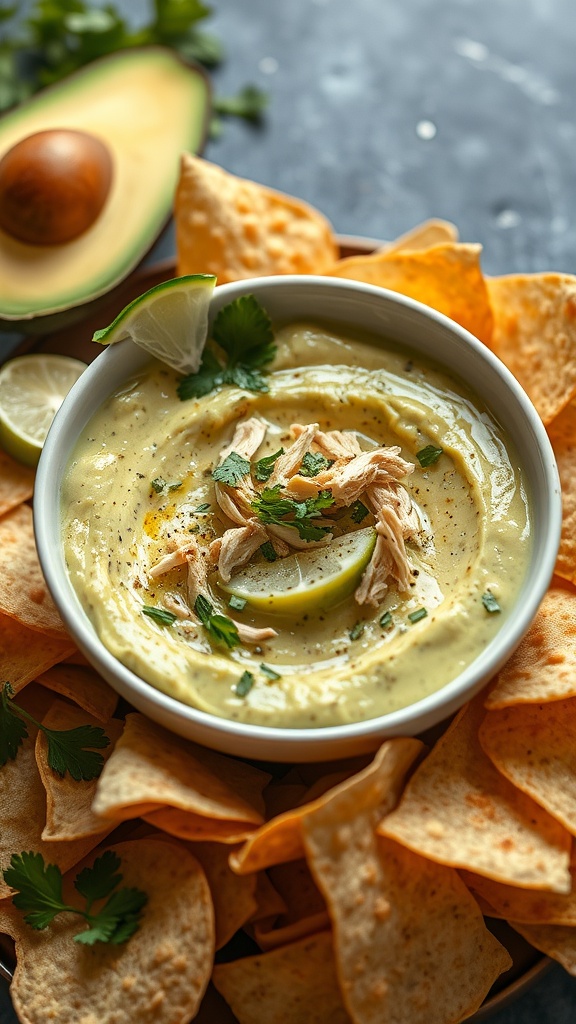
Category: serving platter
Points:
column 528, row 964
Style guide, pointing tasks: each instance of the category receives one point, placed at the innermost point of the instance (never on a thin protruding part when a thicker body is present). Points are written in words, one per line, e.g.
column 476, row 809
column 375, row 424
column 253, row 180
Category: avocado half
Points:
column 148, row 106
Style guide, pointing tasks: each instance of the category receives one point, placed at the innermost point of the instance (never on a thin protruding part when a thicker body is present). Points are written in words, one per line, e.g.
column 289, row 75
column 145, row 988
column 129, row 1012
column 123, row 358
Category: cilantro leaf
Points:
column 358, row 511
column 490, row 603
column 209, row 377
column 69, row 750
column 13, row 730
column 243, row 330
column 314, row 463
column 273, row 508
column 244, row 684
column 264, row 468
column 231, row 470
column 245, row 378
column 250, row 103
column 159, row 615
column 98, row 881
column 267, row 550
column 39, row 888
column 429, row 455
column 219, row 627
column 117, row 920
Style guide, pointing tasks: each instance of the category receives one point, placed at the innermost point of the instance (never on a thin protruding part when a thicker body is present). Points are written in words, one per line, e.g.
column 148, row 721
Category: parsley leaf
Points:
column 264, row 468
column 39, row 894
column 244, row 684
column 313, row 463
column 490, row 603
column 272, row 507
column 231, row 470
column 429, row 455
column 219, row 627
column 160, row 615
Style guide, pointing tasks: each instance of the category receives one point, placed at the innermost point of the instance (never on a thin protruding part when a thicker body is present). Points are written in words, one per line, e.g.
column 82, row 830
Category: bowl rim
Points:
column 430, row 709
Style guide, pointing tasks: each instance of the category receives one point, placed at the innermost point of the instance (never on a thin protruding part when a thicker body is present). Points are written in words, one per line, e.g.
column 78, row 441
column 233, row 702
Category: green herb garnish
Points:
column 250, row 103
column 314, row 463
column 160, row 615
column 202, row 509
column 357, row 630
column 158, row 484
column 267, row 550
column 270, row 672
column 272, row 507
column 429, row 455
column 219, row 627
column 490, row 603
column 231, row 470
column 264, row 468
column 69, row 750
column 358, row 512
column 385, row 620
column 243, row 332
column 244, row 684
column 237, row 603
column 39, row 894
column 420, row 613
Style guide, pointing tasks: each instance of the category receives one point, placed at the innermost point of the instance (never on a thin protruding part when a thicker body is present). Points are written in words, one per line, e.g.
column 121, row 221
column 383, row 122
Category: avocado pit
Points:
column 53, row 186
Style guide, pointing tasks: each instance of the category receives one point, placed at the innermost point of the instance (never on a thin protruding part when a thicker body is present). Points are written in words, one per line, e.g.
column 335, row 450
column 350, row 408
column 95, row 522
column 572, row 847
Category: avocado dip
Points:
column 166, row 503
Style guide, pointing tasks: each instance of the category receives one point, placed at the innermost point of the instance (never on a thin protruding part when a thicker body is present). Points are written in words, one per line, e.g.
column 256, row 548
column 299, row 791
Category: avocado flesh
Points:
column 148, row 106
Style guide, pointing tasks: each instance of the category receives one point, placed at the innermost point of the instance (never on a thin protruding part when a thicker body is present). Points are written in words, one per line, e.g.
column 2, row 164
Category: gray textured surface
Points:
column 385, row 112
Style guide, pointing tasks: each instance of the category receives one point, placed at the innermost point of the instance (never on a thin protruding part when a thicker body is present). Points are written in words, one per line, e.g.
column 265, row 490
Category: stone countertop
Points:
column 386, row 112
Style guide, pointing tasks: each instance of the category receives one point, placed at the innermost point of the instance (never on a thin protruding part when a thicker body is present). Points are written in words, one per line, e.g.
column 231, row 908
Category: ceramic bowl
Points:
column 380, row 312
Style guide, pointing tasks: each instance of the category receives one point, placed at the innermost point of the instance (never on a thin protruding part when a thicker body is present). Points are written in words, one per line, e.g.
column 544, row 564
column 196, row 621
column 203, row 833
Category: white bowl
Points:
column 380, row 312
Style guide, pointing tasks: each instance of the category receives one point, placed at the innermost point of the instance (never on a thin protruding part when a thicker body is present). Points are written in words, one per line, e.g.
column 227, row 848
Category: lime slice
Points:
column 298, row 583
column 170, row 321
column 32, row 389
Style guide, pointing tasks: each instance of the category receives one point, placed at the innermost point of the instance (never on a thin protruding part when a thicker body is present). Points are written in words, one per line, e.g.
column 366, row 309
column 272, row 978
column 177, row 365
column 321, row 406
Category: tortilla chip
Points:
column 25, row 653
column 160, row 974
column 84, row 687
column 526, row 905
column 237, row 229
column 457, row 809
column 305, row 910
column 423, row 236
column 446, row 277
column 555, row 941
column 562, row 433
column 281, row 840
column 233, row 896
column 289, row 985
column 543, row 668
column 16, row 483
column 269, row 903
column 534, row 746
column 535, row 335
column 152, row 769
column 23, row 593
column 68, row 802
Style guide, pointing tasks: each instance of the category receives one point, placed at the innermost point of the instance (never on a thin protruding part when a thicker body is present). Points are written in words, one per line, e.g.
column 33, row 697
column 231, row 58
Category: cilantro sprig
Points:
column 314, row 463
column 243, row 332
column 39, row 895
column 69, row 750
column 232, row 469
column 219, row 627
column 274, row 508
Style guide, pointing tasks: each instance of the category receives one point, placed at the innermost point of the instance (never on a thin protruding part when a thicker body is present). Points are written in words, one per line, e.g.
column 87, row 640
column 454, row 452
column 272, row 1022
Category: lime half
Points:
column 170, row 321
column 32, row 389
column 306, row 580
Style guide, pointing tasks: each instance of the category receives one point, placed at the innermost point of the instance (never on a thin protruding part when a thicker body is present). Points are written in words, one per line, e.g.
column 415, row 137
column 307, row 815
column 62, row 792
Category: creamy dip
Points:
column 337, row 665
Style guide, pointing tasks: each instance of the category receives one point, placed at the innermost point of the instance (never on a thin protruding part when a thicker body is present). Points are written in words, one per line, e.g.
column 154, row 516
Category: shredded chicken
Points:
column 332, row 444
column 289, row 535
column 238, row 545
column 236, row 502
column 248, row 437
column 396, row 496
column 374, row 583
column 173, row 559
column 197, row 573
column 175, row 603
column 254, row 634
column 286, row 465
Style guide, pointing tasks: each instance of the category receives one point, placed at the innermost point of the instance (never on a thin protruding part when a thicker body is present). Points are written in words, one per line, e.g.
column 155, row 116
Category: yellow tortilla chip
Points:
column 196, row 827
column 305, row 910
column 423, row 236
column 23, row 593
column 84, row 687
column 233, row 896
column 290, row 985
column 526, row 905
column 25, row 653
column 16, row 483
column 68, row 801
column 543, row 668
column 237, row 229
column 535, row 335
column 555, row 941
column 562, row 433
column 533, row 746
column 446, row 277
column 457, row 809
column 160, row 974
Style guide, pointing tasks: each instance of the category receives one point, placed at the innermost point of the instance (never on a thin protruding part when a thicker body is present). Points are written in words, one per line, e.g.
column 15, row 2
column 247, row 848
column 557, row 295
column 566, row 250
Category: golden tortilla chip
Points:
column 535, row 335
column 526, row 905
column 196, row 827
column 233, row 895
column 457, row 809
column 446, row 277
column 237, row 229
column 290, row 985
column 84, row 687
column 16, row 483
column 555, row 941
column 23, row 593
column 534, row 746
column 562, row 433
column 68, row 802
column 25, row 653
column 543, row 667
column 305, row 910
column 423, row 236
column 281, row 840
column 160, row 974
column 152, row 769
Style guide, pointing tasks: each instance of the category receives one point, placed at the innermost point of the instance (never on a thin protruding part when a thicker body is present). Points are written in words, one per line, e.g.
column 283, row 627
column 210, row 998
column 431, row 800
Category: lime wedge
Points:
column 170, row 321
column 32, row 389
column 298, row 583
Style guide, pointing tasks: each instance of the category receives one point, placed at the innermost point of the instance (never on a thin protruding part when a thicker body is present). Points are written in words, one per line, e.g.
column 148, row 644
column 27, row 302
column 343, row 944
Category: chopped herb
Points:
column 358, row 512
column 175, row 486
column 490, row 603
column 267, row 550
column 231, row 470
column 158, row 484
column 244, row 684
column 420, row 613
column 160, row 615
column 243, row 331
column 250, row 103
column 219, row 627
column 69, row 750
column 264, row 468
column 357, row 630
column 429, row 455
column 385, row 620
column 270, row 672
column 202, row 509
column 237, row 603
column 39, row 893
column 313, row 463
column 272, row 507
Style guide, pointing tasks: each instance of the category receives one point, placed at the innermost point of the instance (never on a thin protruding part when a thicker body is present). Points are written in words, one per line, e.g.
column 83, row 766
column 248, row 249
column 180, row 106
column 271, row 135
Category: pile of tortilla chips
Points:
column 320, row 894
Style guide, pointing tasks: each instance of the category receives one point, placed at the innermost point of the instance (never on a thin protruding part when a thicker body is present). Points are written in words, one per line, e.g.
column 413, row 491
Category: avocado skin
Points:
column 148, row 178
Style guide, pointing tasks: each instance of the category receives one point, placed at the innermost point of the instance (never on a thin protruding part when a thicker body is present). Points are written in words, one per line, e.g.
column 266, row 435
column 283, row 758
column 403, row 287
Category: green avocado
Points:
column 148, row 107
